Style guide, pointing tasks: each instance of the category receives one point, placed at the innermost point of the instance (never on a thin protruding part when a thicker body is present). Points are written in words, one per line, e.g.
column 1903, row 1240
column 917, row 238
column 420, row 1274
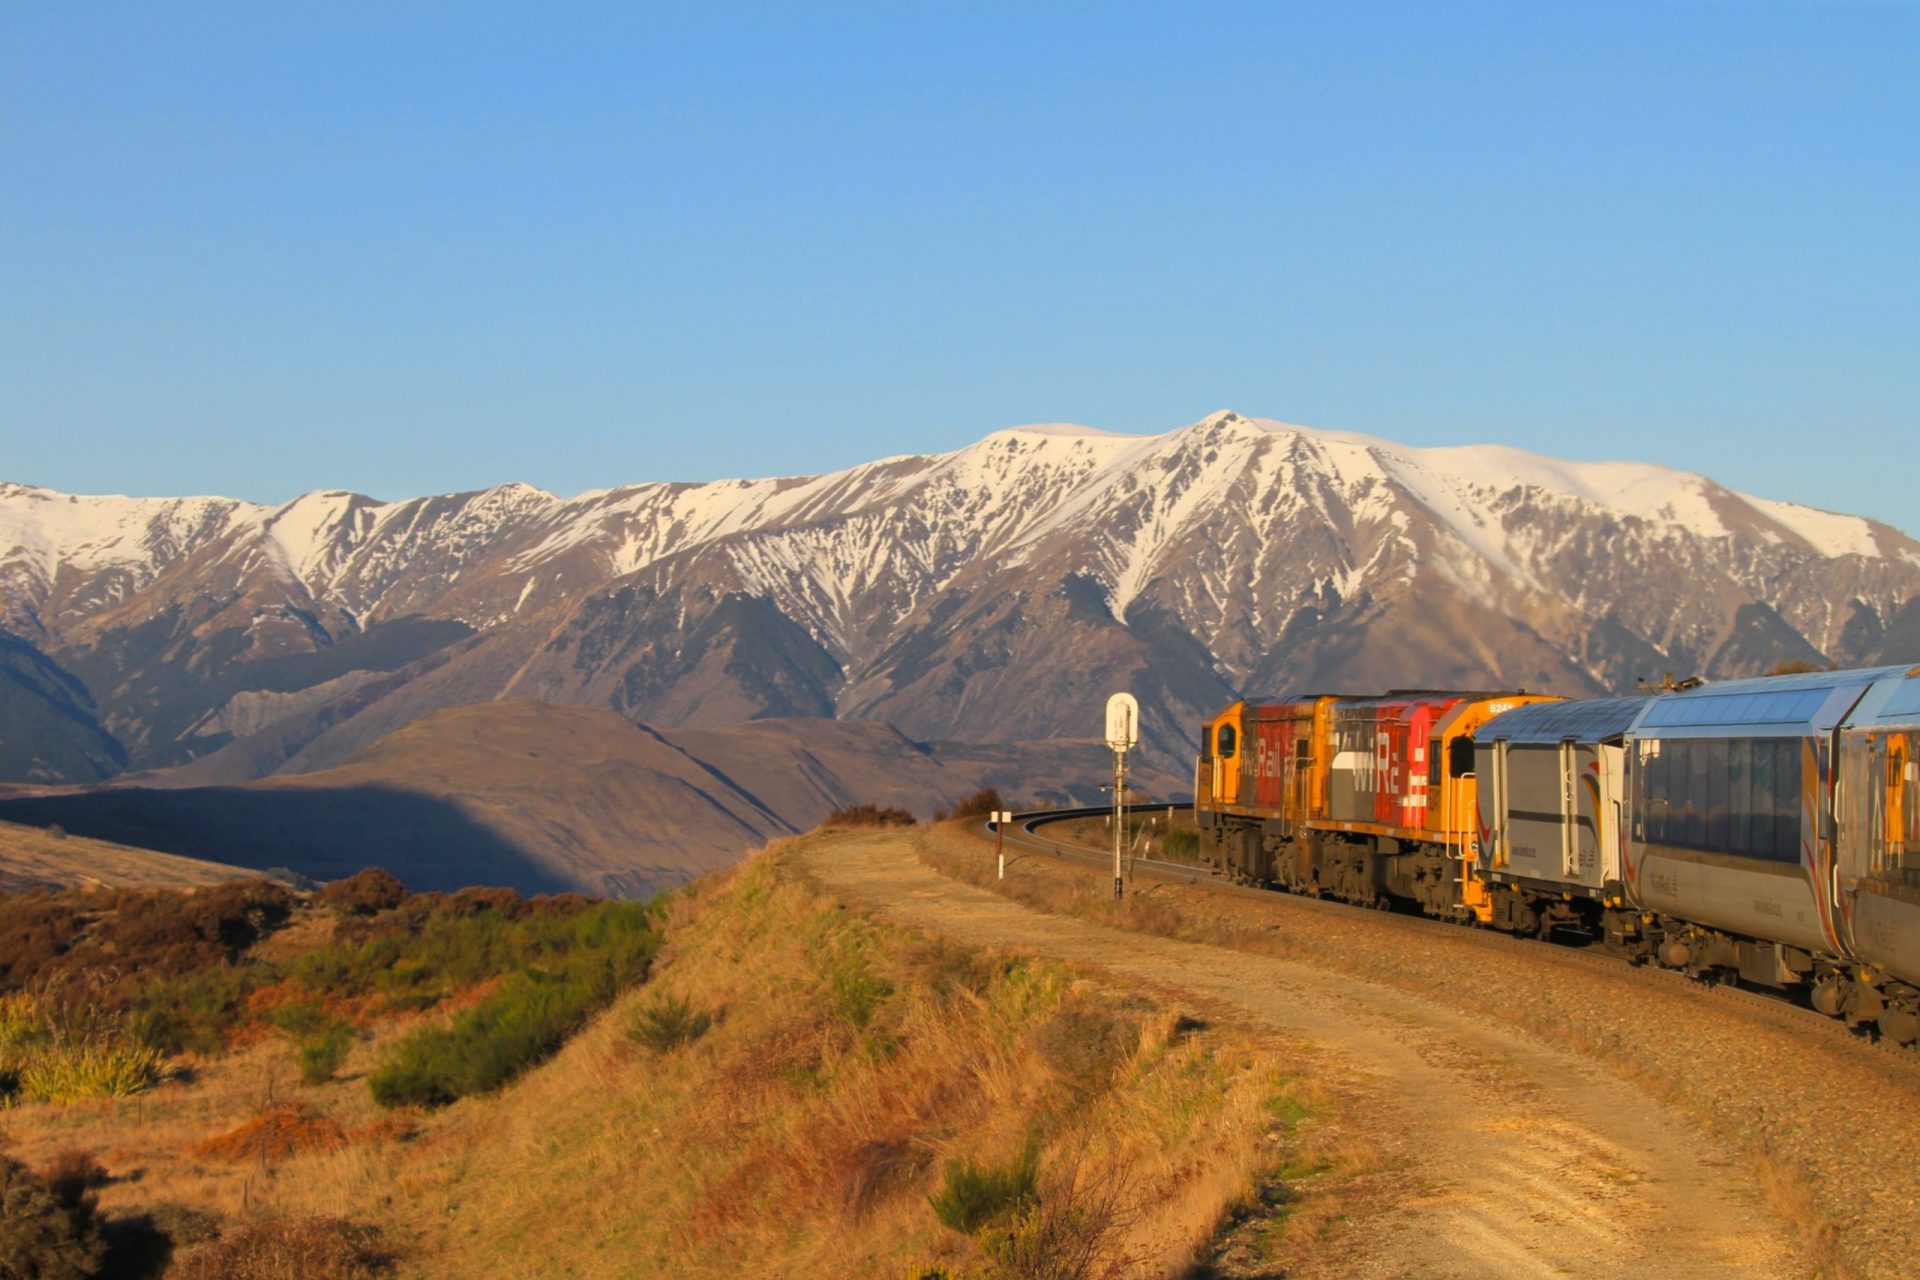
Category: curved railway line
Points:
column 1778, row 1007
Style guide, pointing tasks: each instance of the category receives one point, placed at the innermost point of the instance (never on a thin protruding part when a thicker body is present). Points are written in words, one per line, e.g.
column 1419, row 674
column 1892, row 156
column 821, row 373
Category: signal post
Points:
column 1123, row 733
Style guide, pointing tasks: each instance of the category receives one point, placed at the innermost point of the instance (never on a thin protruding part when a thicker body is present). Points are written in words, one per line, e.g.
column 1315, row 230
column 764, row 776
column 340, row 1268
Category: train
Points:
column 1762, row 831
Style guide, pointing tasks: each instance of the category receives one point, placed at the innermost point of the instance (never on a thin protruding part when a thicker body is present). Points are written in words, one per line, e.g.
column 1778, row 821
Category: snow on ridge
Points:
column 96, row 531
column 1061, row 430
column 304, row 530
column 1829, row 532
column 1001, row 495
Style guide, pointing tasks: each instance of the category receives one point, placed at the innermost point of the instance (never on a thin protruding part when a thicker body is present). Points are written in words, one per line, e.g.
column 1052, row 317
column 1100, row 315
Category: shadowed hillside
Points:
column 536, row 797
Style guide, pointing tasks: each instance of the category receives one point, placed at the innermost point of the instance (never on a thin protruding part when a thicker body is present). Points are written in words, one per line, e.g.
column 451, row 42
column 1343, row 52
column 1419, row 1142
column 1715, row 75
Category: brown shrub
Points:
column 868, row 815
column 364, row 893
column 72, row 1173
column 978, row 805
column 274, row 1134
column 874, row 1170
column 36, row 929
column 289, row 1249
column 45, row 1235
column 394, row 1126
column 559, row 904
column 475, row 900
column 1087, row 1046
column 87, row 953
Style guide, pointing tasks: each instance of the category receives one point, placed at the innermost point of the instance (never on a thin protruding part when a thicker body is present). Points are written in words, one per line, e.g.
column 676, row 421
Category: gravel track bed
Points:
column 1813, row 1104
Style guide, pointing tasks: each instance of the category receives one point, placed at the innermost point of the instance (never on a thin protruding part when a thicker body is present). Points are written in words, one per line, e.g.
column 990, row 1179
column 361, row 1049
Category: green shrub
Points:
column 321, row 1052
column 529, row 1017
column 194, row 1012
column 976, row 1196
column 592, row 957
column 857, row 990
column 668, row 1023
column 1182, row 842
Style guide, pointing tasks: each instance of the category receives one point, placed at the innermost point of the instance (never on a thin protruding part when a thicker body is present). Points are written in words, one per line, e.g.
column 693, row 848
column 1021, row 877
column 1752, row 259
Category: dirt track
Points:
column 1509, row 1159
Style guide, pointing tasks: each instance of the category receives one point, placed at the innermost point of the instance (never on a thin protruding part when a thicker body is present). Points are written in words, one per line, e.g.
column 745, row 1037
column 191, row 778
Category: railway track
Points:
column 1024, row 833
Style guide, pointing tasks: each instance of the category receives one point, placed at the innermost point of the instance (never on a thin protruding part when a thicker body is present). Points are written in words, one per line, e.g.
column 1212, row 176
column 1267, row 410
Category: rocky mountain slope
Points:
column 995, row 594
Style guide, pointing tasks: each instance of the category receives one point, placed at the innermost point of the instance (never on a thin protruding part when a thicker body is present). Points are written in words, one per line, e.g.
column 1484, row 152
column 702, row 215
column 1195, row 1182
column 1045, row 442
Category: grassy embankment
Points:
column 797, row 1089
column 1069, row 889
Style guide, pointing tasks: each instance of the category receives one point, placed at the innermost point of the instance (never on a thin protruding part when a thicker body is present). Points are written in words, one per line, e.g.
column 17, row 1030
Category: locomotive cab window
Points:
column 1225, row 742
column 1460, row 757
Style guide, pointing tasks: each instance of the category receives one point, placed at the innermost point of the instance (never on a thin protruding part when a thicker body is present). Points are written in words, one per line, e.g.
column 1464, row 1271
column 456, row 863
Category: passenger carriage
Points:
column 1876, row 873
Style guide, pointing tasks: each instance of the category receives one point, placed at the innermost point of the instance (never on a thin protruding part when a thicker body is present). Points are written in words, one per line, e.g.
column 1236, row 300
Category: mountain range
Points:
column 995, row 594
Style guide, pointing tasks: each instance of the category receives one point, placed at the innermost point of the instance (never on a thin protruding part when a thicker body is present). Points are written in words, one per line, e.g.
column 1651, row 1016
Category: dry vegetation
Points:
column 162, row 1032
column 798, row 1089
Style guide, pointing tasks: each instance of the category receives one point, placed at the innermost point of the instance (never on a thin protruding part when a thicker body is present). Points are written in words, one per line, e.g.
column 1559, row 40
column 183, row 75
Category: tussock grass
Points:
column 668, row 1023
column 52, row 1055
column 975, row 1196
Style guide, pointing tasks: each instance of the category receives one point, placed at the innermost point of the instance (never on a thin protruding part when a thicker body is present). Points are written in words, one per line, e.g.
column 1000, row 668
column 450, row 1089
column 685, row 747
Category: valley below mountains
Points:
column 963, row 614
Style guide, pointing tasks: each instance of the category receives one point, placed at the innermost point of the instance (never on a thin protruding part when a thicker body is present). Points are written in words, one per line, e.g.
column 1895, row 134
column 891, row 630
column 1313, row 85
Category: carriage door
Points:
column 1586, row 813
column 1569, row 847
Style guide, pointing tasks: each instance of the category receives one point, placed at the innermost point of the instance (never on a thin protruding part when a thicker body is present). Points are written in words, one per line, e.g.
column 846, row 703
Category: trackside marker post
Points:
column 1001, row 817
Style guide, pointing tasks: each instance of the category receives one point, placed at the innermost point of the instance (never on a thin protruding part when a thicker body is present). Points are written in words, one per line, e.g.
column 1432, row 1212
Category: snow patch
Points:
column 1827, row 532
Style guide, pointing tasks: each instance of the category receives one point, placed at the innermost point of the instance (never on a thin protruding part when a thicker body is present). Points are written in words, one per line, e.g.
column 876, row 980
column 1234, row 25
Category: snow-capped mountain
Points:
column 996, row 593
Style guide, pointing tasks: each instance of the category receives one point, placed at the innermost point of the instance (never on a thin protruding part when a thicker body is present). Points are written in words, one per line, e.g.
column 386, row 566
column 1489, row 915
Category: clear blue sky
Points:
column 255, row 249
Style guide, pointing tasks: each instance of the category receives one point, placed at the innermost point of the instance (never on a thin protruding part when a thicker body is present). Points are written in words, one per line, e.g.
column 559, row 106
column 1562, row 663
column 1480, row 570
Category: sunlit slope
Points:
column 33, row 857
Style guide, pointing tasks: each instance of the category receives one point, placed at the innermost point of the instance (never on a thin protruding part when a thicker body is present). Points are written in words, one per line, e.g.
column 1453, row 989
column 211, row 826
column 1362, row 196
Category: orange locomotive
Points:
column 1363, row 799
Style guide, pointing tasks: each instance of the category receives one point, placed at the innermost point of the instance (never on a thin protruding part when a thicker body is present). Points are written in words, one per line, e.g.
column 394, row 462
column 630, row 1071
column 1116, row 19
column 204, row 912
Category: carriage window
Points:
column 1740, row 795
column 1786, row 800
column 1723, row 795
column 1225, row 742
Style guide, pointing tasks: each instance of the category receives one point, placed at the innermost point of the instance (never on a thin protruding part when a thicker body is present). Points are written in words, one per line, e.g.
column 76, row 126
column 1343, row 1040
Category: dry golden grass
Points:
column 152, row 1144
column 35, row 857
column 803, row 1133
